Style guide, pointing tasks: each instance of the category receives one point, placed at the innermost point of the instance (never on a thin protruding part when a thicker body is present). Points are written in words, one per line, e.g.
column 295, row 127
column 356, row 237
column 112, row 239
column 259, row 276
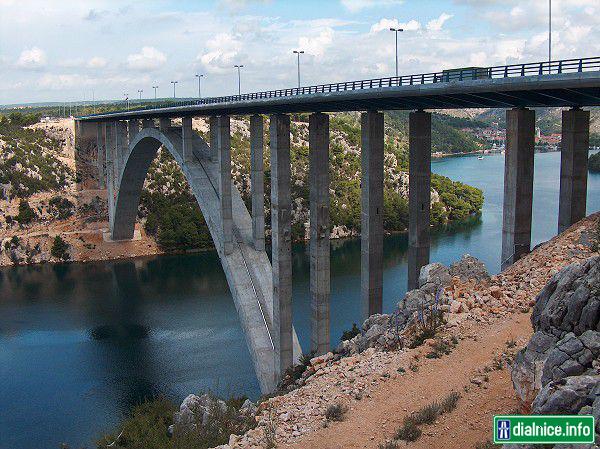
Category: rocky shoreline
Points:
column 464, row 295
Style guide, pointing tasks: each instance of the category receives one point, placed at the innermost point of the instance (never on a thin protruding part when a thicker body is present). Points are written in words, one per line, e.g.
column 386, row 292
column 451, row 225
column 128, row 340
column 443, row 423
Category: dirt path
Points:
column 375, row 419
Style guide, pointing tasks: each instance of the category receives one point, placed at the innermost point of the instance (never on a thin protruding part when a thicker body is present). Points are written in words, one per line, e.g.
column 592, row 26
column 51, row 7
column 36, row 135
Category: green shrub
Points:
column 60, row 249
column 336, row 412
column 26, row 214
column 594, row 163
column 61, row 207
column 350, row 334
column 408, row 431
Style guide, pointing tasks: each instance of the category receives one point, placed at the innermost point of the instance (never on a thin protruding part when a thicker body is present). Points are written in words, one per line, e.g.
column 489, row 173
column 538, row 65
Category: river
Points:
column 82, row 343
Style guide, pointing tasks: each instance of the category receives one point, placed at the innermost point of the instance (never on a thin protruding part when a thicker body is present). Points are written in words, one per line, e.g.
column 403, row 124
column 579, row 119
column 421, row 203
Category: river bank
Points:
column 378, row 389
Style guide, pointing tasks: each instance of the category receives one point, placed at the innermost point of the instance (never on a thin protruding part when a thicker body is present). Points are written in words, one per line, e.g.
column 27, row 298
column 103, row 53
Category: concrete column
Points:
column 575, row 145
column 371, row 246
column 121, row 149
column 101, row 157
column 281, row 206
column 518, row 184
column 319, row 231
column 109, row 148
column 224, row 151
column 214, row 137
column 419, row 199
column 133, row 128
column 148, row 123
column 257, row 181
column 186, row 135
column 164, row 123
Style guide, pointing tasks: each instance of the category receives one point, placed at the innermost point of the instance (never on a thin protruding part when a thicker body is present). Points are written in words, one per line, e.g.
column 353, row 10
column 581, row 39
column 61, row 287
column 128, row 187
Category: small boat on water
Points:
column 480, row 158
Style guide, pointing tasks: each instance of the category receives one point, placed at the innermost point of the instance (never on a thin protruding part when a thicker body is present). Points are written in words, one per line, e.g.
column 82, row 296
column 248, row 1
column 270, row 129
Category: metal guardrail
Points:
column 461, row 74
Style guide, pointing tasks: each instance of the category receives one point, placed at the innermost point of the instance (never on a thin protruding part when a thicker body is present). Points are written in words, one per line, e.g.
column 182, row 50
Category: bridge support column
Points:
column 133, row 127
column 419, row 199
column 257, row 181
column 186, row 135
column 164, row 123
column 101, row 158
column 224, row 152
column 213, row 123
column 371, row 246
column 575, row 145
column 110, row 150
column 319, row 231
column 148, row 123
column 281, row 206
column 518, row 185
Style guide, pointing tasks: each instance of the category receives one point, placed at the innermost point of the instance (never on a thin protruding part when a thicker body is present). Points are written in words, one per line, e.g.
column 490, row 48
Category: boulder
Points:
column 248, row 408
column 469, row 267
column 435, row 274
column 196, row 410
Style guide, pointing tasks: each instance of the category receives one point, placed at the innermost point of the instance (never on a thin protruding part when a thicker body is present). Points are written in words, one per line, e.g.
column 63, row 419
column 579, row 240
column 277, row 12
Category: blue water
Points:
column 81, row 343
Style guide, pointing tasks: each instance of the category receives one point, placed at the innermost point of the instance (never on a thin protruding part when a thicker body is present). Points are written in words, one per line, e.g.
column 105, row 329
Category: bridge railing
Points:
column 461, row 74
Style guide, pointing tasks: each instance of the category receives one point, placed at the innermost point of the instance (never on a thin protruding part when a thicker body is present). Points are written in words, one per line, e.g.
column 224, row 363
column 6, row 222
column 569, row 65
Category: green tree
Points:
column 60, row 249
column 26, row 213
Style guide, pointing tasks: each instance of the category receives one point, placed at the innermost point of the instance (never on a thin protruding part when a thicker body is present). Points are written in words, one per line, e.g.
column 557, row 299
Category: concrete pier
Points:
column 518, row 185
column 224, row 153
column 133, row 128
column 257, row 181
column 575, row 145
column 281, row 207
column 319, row 232
column 148, row 123
column 101, row 156
column 186, row 136
column 372, row 212
column 213, row 123
column 419, row 199
column 109, row 149
column 164, row 123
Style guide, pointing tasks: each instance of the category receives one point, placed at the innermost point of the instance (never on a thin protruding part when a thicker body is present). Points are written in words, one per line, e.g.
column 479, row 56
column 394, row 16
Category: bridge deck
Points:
column 554, row 90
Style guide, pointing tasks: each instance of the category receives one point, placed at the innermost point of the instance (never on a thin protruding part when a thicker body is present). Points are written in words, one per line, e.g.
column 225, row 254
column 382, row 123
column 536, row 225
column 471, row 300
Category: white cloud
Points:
column 386, row 24
column 437, row 24
column 148, row 59
column 317, row 45
column 97, row 62
column 223, row 53
column 355, row 6
column 33, row 58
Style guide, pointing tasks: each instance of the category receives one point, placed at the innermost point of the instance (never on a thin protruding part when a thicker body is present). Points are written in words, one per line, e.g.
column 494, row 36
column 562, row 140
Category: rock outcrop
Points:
column 559, row 370
column 566, row 321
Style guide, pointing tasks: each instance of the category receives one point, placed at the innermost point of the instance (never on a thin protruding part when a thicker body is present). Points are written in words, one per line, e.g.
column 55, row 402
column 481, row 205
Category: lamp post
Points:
column 298, row 52
column 155, row 88
column 549, row 36
column 396, row 31
column 239, row 78
column 174, row 83
column 127, row 100
column 199, row 78
column 140, row 92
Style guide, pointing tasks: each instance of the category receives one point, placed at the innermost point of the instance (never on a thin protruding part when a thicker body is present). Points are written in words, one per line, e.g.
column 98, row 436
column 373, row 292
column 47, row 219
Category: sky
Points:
column 74, row 50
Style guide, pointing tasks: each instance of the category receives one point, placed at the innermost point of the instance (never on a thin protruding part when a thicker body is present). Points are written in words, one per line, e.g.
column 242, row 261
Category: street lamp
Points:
column 199, row 78
column 127, row 100
column 155, row 88
column 298, row 52
column 396, row 30
column 239, row 78
column 549, row 36
column 140, row 92
column 174, row 83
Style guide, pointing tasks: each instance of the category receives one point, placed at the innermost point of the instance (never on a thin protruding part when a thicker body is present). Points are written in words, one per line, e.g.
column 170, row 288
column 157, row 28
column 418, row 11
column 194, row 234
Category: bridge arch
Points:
column 248, row 271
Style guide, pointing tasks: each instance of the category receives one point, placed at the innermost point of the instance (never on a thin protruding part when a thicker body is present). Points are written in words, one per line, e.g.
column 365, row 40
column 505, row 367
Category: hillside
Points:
column 46, row 208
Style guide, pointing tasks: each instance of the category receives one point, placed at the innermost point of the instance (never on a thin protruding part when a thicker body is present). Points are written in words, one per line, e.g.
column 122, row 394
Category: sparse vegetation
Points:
column 350, row 334
column 26, row 214
column 388, row 445
column 336, row 412
column 60, row 249
column 594, row 163
column 410, row 430
column 440, row 348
